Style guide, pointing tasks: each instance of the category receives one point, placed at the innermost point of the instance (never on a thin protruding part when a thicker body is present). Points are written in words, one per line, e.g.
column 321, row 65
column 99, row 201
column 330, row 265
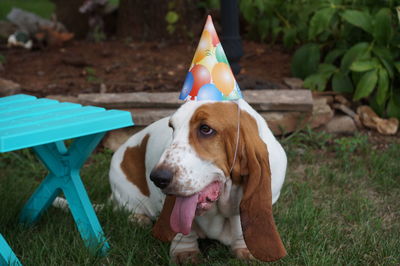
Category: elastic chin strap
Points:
column 237, row 137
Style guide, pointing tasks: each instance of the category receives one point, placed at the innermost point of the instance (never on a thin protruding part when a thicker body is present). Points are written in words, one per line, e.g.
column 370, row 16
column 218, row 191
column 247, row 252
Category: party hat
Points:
column 210, row 76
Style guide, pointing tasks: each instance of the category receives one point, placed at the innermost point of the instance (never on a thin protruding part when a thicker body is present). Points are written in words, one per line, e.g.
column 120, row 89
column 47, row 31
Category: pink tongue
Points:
column 183, row 213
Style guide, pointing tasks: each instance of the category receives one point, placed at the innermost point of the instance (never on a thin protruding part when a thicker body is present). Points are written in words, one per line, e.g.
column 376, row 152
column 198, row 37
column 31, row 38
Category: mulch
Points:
column 122, row 66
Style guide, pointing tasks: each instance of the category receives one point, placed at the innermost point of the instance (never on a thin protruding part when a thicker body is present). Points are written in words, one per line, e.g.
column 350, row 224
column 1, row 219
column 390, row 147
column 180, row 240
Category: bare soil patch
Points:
column 82, row 66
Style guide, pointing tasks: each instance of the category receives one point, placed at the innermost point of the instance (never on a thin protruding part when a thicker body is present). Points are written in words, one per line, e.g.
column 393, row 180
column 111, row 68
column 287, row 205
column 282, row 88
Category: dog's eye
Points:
column 206, row 130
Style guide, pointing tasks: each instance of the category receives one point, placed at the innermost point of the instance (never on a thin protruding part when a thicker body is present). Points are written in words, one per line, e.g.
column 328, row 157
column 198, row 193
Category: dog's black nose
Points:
column 161, row 177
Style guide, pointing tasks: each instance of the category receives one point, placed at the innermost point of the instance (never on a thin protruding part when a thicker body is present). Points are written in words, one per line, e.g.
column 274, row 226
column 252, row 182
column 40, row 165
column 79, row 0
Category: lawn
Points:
column 43, row 8
column 339, row 206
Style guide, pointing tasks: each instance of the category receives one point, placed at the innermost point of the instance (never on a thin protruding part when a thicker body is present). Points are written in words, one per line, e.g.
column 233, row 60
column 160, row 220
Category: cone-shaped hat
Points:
column 210, row 76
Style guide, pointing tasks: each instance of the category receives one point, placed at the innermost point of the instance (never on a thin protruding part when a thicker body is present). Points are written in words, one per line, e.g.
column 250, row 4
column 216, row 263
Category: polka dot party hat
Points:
column 210, row 76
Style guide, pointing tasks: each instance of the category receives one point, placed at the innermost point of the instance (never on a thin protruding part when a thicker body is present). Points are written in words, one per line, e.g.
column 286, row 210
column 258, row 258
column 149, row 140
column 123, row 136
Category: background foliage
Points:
column 349, row 46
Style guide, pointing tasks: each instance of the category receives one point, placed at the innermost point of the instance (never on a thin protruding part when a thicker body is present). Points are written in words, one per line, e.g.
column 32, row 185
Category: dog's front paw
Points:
column 187, row 257
column 243, row 254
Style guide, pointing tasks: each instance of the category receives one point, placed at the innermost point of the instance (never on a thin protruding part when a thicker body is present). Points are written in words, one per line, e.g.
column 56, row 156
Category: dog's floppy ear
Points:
column 252, row 170
column 162, row 229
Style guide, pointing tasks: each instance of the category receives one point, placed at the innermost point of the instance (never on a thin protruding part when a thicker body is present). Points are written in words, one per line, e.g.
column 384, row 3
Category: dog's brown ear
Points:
column 258, row 225
column 162, row 229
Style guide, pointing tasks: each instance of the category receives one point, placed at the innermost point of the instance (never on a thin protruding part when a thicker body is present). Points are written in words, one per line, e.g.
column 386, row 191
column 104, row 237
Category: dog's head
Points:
column 203, row 157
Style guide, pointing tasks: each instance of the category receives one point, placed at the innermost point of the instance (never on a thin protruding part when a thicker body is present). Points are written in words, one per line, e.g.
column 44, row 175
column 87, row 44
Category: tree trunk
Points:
column 67, row 13
column 145, row 20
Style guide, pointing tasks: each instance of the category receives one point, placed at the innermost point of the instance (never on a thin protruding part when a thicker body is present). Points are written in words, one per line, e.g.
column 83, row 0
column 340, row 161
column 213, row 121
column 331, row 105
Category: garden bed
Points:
column 82, row 67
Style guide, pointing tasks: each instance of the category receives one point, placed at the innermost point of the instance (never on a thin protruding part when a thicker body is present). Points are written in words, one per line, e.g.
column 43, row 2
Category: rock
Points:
column 63, row 98
column 328, row 98
column 279, row 122
column 323, row 94
column 285, row 122
column 341, row 124
column 261, row 100
column 346, row 110
column 284, row 110
column 31, row 23
column 146, row 116
column 294, row 83
column 8, row 87
column 322, row 113
column 280, row 100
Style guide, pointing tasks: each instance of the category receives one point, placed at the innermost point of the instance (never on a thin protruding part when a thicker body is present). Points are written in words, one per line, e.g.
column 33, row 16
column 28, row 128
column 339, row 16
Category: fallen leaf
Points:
column 370, row 119
column 388, row 126
column 367, row 116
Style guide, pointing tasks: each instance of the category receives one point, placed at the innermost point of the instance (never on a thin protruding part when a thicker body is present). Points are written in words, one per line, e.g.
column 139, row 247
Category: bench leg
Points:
column 64, row 166
column 84, row 215
column 40, row 200
column 7, row 256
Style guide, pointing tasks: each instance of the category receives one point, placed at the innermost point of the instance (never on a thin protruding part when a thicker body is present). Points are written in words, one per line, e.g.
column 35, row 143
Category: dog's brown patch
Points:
column 220, row 149
column 251, row 170
column 133, row 165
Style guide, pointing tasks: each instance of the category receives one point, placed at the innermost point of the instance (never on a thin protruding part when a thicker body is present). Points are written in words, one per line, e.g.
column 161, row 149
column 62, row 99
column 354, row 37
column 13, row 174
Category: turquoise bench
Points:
column 44, row 125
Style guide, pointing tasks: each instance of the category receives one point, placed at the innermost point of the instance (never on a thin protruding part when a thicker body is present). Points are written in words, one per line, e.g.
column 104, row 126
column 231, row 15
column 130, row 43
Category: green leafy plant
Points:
column 354, row 48
column 91, row 75
column 2, row 59
column 171, row 17
column 274, row 20
column 98, row 34
column 208, row 4
column 349, row 46
column 347, row 148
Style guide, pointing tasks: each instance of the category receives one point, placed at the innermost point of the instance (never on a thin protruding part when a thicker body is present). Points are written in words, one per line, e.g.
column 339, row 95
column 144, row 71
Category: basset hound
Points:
column 212, row 169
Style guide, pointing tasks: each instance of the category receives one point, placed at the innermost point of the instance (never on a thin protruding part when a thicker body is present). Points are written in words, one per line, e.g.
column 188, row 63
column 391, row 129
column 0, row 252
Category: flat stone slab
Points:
column 261, row 100
column 284, row 110
column 146, row 116
column 286, row 122
column 280, row 100
column 279, row 122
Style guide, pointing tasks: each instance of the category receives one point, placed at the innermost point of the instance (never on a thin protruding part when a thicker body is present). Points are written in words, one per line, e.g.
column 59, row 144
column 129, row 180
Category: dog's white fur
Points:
column 172, row 146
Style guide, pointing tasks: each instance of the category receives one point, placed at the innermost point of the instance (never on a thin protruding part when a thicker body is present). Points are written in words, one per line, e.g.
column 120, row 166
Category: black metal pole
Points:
column 231, row 41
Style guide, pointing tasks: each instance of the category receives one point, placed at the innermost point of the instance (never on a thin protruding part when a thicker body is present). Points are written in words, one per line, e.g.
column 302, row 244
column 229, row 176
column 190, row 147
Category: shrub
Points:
column 349, row 46
column 354, row 49
column 276, row 20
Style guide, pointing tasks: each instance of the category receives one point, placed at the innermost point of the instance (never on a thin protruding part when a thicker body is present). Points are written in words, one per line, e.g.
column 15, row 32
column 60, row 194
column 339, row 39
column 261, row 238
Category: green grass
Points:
column 43, row 8
column 339, row 206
